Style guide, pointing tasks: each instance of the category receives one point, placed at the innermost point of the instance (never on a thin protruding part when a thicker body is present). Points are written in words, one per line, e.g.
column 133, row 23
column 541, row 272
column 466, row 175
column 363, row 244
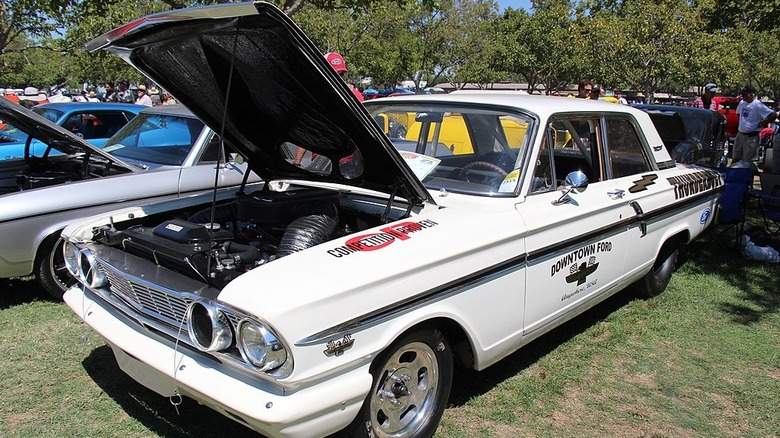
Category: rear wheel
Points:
column 50, row 270
column 412, row 382
column 655, row 281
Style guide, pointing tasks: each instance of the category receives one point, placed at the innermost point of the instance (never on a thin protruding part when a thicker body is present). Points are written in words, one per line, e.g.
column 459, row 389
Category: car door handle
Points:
column 617, row 194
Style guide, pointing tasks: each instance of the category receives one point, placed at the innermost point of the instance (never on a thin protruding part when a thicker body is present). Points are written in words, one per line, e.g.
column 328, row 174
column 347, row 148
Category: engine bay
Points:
column 216, row 245
column 35, row 172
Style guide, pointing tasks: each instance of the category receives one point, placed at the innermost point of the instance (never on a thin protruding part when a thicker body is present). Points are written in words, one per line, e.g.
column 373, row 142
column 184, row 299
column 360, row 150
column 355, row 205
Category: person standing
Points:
column 154, row 95
column 124, row 95
column 753, row 115
column 620, row 98
column 337, row 62
column 595, row 92
column 143, row 98
column 706, row 100
column 584, row 89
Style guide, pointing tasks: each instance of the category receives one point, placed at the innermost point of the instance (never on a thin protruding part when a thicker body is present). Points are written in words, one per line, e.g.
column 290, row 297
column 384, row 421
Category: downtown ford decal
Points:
column 579, row 254
column 704, row 216
column 385, row 237
column 642, row 184
column 582, row 263
column 693, row 183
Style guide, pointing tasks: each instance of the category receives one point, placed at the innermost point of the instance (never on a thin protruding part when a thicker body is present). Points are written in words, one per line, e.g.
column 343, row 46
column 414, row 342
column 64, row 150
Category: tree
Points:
column 27, row 25
column 754, row 15
column 541, row 47
column 644, row 44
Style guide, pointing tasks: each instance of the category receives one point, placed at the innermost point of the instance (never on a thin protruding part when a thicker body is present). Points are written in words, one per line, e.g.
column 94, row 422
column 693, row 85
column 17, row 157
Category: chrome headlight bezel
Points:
column 71, row 254
column 259, row 346
column 208, row 327
column 88, row 269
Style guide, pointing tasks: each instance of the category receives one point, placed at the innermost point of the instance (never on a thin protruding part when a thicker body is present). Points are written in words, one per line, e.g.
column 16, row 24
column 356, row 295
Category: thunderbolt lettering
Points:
column 693, row 183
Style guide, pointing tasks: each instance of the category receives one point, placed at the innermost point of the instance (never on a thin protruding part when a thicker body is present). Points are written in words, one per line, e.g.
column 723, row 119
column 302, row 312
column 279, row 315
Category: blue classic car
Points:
column 92, row 121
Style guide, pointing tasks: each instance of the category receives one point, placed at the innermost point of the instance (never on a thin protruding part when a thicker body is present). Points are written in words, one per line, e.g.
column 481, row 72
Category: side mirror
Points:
column 575, row 182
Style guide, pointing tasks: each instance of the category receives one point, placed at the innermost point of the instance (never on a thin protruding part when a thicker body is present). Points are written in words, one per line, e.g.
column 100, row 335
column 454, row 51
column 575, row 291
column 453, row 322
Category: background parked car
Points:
column 164, row 153
column 691, row 135
column 727, row 105
column 94, row 122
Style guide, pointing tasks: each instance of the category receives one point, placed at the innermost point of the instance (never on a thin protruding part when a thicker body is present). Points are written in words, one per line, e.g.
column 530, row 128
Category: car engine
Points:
column 217, row 245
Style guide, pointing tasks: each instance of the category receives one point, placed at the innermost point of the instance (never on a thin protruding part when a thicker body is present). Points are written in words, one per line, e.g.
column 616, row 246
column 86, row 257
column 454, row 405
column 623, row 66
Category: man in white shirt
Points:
column 753, row 115
column 143, row 98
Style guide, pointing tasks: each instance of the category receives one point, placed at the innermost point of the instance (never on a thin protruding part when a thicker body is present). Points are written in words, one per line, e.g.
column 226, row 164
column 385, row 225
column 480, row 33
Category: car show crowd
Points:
column 121, row 92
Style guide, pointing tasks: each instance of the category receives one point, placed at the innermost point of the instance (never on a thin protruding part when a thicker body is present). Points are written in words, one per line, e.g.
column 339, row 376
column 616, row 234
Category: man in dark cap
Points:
column 753, row 115
column 705, row 100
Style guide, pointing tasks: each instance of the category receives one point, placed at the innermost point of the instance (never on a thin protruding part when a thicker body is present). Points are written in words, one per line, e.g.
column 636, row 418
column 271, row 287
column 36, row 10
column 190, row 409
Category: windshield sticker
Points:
column 641, row 185
column 420, row 164
column 510, row 182
column 693, row 183
column 386, row 236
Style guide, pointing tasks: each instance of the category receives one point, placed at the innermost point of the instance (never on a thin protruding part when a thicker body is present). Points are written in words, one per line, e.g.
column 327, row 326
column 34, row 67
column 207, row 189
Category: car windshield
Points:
column 162, row 139
column 52, row 114
column 11, row 134
column 458, row 148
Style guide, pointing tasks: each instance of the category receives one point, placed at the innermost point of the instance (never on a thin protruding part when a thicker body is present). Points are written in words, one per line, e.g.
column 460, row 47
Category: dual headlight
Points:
column 210, row 330
column 83, row 265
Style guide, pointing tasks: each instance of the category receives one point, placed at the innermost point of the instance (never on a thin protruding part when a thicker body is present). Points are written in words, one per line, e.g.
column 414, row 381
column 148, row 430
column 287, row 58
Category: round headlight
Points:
column 70, row 253
column 259, row 346
column 88, row 271
column 209, row 328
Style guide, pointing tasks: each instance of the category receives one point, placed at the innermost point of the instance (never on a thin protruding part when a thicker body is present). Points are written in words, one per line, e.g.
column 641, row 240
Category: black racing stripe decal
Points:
column 423, row 298
column 611, row 229
column 489, row 273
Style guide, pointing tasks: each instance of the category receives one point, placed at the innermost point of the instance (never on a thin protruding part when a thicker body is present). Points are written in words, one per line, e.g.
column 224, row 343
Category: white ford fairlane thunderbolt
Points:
column 385, row 245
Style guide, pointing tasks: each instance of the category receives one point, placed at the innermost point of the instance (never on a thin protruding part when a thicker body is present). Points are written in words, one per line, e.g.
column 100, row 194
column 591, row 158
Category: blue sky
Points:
column 514, row 4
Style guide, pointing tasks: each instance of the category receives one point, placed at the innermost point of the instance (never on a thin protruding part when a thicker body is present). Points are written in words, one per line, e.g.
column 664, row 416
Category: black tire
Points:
column 412, row 382
column 655, row 281
column 50, row 268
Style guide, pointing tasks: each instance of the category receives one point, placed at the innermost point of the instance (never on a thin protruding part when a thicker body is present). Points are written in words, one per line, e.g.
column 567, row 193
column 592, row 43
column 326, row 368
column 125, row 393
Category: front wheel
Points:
column 412, row 381
column 50, row 270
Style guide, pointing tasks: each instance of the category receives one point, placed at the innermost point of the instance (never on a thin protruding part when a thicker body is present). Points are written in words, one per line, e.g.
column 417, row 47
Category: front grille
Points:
column 162, row 306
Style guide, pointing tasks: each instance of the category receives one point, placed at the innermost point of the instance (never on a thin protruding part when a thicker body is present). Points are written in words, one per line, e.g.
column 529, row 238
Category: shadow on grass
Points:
column 154, row 411
column 758, row 282
column 472, row 383
column 16, row 291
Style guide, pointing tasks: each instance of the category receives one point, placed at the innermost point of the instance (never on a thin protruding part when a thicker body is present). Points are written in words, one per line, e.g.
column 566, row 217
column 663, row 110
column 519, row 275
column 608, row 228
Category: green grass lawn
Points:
column 702, row 359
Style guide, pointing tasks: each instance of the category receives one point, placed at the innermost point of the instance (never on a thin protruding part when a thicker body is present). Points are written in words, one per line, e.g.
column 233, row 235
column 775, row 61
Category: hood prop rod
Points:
column 222, row 147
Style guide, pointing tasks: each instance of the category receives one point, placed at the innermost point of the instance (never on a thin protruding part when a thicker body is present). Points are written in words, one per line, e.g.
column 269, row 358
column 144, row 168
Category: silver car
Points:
column 164, row 153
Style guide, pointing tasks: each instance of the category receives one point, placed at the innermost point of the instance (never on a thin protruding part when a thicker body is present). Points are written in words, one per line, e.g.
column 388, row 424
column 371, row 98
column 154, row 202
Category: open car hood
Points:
column 252, row 75
column 44, row 130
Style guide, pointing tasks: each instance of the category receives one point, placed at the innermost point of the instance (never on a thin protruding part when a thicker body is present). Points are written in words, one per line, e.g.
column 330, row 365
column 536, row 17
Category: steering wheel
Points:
column 483, row 178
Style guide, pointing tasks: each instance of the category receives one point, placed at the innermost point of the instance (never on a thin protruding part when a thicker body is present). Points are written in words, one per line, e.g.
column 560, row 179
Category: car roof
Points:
column 92, row 106
column 174, row 110
column 541, row 105
column 683, row 110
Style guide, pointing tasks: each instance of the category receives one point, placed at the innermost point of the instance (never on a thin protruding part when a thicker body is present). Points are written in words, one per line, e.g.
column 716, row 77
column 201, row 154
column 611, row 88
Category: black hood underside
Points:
column 257, row 79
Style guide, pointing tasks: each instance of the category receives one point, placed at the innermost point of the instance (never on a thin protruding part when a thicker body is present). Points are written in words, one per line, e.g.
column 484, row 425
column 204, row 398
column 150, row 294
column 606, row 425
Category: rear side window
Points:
column 626, row 151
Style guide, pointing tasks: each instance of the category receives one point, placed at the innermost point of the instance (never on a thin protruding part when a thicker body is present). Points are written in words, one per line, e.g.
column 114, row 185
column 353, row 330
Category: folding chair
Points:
column 732, row 204
column 769, row 201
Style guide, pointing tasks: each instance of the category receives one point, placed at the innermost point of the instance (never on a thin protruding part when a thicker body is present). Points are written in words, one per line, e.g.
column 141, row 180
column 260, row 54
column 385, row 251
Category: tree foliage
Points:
column 647, row 45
